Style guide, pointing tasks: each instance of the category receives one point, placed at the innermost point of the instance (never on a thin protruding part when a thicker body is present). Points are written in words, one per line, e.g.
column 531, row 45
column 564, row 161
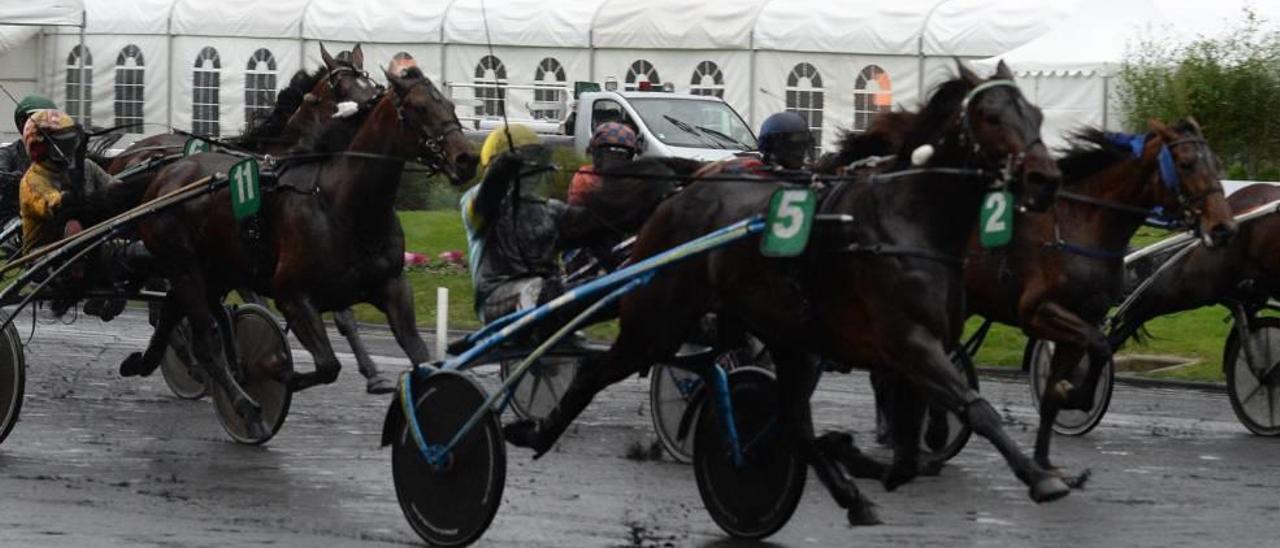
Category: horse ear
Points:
column 1003, row 72
column 1156, row 125
column 357, row 57
column 1195, row 124
column 329, row 63
column 967, row 74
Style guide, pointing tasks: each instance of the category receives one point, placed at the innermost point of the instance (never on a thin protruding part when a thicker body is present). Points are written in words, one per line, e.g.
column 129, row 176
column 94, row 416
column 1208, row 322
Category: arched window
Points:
column 548, row 102
column 804, row 97
column 641, row 70
column 80, row 85
column 707, row 80
column 259, row 85
column 205, row 81
column 872, row 94
column 491, row 87
column 129, row 89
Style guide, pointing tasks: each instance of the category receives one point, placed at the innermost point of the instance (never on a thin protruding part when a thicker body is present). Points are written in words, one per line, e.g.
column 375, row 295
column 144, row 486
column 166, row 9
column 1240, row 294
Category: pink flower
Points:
column 415, row 259
column 453, row 257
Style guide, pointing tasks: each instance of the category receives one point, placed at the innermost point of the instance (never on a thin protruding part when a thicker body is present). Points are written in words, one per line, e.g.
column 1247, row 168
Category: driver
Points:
column 612, row 144
column 514, row 235
column 784, row 143
column 58, row 192
column 14, row 159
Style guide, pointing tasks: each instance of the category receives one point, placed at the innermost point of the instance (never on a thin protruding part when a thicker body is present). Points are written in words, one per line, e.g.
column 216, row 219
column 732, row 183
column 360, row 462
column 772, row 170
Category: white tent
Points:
column 1069, row 71
column 835, row 62
column 20, row 45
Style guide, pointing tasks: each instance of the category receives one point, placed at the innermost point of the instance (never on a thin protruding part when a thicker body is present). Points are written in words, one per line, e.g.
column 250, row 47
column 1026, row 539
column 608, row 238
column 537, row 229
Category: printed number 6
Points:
column 790, row 216
column 996, row 203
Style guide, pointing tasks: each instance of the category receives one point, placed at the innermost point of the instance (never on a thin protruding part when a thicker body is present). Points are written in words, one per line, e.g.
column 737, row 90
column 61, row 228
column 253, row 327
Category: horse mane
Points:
column 262, row 128
column 941, row 107
column 1089, row 151
column 881, row 138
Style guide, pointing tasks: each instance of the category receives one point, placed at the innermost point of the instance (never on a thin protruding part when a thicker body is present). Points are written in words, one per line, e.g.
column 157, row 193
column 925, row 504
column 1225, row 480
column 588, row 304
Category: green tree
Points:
column 1229, row 84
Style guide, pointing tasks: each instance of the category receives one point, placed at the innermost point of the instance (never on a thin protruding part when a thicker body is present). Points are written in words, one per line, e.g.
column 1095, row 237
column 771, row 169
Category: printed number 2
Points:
column 790, row 216
column 996, row 203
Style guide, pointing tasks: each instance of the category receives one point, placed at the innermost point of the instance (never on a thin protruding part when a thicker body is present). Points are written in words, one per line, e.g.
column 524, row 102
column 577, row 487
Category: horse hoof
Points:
column 379, row 384
column 1049, row 488
column 132, row 366
column 524, row 433
column 863, row 514
column 899, row 475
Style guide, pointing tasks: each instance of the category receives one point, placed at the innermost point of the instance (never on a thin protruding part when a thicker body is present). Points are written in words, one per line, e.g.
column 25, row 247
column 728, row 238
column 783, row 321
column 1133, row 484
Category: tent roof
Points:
column 42, row 12
column 136, row 17
column 677, row 24
column 238, row 18
column 1086, row 44
column 950, row 27
column 386, row 21
column 534, row 23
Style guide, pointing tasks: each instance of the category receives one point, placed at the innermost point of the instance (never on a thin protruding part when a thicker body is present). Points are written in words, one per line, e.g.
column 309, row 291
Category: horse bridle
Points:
column 1013, row 162
column 433, row 144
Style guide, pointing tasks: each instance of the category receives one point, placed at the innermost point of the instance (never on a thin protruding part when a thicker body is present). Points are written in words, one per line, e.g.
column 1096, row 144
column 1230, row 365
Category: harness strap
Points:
column 919, row 253
column 1106, row 204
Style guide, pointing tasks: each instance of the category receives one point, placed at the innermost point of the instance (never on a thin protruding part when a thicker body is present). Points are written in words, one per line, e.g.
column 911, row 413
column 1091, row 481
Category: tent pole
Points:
column 1106, row 96
column 85, row 106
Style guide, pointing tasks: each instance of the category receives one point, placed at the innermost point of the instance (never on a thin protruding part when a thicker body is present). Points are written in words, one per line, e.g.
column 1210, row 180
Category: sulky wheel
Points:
column 13, row 379
column 1254, row 388
column 263, row 362
column 1070, row 422
column 181, row 372
column 755, row 500
column 542, row 386
column 671, row 391
column 944, row 433
column 451, row 504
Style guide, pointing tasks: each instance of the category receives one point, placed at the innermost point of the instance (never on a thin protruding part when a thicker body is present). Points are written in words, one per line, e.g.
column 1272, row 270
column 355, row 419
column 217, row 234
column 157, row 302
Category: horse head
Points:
column 1188, row 173
column 429, row 125
column 1002, row 129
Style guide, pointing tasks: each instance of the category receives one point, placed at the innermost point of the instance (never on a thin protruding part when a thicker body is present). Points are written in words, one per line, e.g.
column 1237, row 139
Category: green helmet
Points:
column 28, row 105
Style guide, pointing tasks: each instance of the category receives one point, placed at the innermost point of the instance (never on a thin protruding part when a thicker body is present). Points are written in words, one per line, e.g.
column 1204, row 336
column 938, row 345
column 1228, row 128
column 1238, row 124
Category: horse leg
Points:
column 207, row 346
column 937, row 377
column 145, row 363
column 308, row 326
column 375, row 382
column 797, row 377
column 906, row 421
column 397, row 304
column 1072, row 334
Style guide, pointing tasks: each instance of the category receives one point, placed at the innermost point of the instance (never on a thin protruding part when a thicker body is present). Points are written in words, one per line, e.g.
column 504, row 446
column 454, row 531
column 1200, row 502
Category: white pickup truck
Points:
column 697, row 127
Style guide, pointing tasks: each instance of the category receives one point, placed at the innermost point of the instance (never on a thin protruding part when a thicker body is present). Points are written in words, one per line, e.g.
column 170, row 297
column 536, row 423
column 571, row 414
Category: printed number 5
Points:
column 790, row 218
column 996, row 204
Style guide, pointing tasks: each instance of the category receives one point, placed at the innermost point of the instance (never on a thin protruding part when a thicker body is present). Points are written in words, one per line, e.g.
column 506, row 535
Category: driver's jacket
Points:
column 41, row 193
column 742, row 164
column 13, row 165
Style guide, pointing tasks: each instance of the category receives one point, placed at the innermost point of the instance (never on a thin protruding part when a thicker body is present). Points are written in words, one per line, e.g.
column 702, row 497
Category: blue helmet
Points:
column 781, row 128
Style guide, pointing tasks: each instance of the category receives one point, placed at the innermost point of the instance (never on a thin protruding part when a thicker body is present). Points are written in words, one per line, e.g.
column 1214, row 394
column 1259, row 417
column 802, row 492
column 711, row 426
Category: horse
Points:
column 1245, row 272
column 331, row 236
column 304, row 105
column 884, row 291
column 1065, row 269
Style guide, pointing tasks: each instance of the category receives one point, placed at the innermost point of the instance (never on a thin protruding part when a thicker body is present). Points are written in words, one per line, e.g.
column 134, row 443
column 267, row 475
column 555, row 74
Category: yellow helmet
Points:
column 496, row 143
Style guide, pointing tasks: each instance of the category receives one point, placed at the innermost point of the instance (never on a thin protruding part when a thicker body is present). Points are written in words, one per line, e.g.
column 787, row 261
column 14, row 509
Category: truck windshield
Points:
column 694, row 123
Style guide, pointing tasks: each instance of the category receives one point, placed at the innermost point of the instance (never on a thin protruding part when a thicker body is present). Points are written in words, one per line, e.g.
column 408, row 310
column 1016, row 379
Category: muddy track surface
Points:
column 102, row 461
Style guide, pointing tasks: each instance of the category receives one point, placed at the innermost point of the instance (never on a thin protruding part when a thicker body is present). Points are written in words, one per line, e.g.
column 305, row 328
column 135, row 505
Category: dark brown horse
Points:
column 885, row 291
column 1064, row 269
column 1244, row 272
column 305, row 105
column 331, row 236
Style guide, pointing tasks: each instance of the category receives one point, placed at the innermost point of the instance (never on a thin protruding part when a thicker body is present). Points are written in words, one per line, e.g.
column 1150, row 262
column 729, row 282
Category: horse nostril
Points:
column 1221, row 233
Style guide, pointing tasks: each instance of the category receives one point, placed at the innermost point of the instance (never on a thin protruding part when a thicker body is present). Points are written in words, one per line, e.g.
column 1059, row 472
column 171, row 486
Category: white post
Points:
column 442, row 321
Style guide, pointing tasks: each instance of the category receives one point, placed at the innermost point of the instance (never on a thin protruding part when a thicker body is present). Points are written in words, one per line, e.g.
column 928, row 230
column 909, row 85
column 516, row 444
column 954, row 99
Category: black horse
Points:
column 885, row 291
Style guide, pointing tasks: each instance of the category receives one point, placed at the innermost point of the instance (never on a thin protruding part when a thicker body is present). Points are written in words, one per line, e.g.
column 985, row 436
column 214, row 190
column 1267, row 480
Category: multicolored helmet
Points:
column 52, row 135
column 613, row 134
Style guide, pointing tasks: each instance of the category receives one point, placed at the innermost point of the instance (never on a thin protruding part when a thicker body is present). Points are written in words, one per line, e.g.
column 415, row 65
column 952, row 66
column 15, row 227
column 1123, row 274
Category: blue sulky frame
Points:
column 613, row 287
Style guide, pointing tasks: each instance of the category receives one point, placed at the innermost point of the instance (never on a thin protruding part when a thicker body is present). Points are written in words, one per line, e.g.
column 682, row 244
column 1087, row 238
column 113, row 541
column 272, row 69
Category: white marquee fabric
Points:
column 42, row 12
column 867, row 55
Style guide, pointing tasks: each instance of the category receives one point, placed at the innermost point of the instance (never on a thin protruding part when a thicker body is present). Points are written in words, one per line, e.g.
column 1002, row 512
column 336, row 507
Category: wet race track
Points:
column 102, row 461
